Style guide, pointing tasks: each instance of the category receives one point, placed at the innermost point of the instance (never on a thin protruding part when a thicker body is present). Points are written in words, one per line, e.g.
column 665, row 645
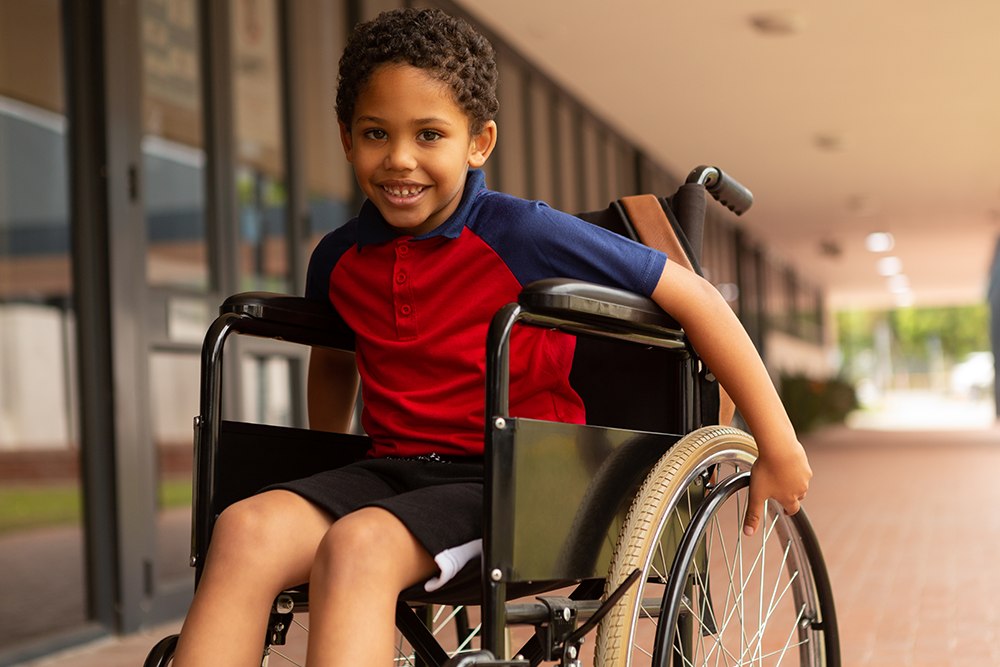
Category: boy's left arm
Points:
column 782, row 470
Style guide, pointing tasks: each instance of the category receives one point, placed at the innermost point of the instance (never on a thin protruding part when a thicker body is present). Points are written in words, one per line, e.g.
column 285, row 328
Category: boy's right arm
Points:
column 332, row 389
column 782, row 470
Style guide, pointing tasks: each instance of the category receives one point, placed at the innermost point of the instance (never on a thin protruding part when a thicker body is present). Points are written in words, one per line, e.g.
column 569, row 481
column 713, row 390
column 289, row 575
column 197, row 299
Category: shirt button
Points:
column 406, row 309
column 402, row 249
column 401, row 277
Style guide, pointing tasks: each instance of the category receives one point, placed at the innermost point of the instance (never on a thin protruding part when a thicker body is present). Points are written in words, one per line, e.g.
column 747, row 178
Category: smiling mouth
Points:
column 403, row 192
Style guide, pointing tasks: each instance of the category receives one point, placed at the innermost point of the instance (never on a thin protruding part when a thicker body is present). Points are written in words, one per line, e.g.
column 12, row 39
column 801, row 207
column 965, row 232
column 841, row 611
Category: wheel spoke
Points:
column 716, row 616
column 743, row 600
column 284, row 657
column 468, row 640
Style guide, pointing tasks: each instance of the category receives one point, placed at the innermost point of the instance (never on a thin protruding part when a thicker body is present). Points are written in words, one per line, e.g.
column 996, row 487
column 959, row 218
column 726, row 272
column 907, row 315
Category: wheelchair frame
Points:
column 606, row 463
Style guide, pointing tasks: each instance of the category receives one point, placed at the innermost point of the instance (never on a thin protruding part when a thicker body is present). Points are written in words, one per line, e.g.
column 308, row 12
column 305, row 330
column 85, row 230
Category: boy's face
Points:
column 411, row 147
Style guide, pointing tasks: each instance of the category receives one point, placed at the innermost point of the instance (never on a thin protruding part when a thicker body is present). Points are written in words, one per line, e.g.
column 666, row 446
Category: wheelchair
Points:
column 628, row 527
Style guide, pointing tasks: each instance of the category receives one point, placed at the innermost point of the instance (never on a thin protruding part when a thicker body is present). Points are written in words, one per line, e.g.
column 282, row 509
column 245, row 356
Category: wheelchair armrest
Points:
column 598, row 306
column 294, row 318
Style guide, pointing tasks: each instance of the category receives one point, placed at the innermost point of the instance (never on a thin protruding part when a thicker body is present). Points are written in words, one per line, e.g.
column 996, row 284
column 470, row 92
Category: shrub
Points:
column 812, row 403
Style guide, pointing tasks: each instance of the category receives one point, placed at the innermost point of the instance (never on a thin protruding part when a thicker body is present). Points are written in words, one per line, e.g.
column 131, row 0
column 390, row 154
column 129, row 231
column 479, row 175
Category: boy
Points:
column 417, row 276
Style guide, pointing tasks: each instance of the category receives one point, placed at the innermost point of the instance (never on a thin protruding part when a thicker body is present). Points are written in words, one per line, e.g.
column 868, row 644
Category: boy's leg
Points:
column 260, row 546
column 362, row 564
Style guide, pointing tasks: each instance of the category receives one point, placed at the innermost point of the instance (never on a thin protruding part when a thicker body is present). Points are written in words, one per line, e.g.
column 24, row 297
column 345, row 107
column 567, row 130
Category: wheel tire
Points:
column 660, row 512
column 717, row 624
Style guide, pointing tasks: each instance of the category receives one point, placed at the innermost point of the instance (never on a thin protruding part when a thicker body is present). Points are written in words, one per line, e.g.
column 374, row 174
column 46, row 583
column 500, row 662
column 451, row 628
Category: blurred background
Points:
column 157, row 155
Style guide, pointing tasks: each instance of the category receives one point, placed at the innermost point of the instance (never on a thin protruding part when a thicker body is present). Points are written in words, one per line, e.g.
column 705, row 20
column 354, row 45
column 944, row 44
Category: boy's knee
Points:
column 364, row 540
column 251, row 523
column 353, row 536
column 240, row 524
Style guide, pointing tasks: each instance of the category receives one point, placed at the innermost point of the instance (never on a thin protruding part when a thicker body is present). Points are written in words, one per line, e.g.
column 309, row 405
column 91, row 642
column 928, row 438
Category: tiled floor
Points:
column 911, row 532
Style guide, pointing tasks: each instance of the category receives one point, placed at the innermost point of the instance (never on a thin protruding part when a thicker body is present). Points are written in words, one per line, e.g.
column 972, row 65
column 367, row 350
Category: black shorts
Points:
column 439, row 501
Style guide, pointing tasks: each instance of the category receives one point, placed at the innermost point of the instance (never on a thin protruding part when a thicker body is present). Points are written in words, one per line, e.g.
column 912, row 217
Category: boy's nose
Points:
column 399, row 157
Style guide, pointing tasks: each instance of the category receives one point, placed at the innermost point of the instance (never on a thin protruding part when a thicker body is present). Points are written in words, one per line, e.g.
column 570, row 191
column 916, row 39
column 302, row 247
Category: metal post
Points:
column 994, row 303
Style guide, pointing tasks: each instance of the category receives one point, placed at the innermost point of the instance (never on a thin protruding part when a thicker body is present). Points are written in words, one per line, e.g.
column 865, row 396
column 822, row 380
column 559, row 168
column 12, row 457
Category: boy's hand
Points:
column 784, row 478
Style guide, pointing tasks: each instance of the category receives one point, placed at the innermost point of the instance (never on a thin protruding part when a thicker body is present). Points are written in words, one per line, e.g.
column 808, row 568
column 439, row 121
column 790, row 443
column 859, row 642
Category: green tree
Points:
column 960, row 330
column 954, row 331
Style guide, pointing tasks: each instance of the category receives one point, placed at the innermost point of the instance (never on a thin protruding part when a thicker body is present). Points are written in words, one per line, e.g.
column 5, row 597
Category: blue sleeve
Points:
column 324, row 257
column 536, row 242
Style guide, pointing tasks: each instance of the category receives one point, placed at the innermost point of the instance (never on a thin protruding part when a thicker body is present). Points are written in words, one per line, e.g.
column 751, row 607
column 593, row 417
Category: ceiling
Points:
column 844, row 118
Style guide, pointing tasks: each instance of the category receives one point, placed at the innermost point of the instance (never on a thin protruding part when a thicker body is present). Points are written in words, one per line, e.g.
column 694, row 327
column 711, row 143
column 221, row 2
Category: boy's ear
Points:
column 482, row 145
column 346, row 140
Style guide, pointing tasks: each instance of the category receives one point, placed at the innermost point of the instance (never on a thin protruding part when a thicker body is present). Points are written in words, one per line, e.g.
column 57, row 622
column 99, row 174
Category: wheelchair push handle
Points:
column 724, row 188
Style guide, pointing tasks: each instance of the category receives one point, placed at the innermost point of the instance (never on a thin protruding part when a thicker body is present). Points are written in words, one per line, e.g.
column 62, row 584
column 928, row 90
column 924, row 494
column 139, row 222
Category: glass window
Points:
column 752, row 281
column 623, row 176
column 718, row 260
column 320, row 32
column 41, row 539
column 653, row 179
column 174, row 397
column 595, row 196
column 609, row 153
column 262, row 198
column 513, row 162
column 541, row 144
column 173, row 145
column 776, row 295
column 266, row 389
column 569, row 156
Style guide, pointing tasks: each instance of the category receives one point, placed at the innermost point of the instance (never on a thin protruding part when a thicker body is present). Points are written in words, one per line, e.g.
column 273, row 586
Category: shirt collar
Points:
column 373, row 229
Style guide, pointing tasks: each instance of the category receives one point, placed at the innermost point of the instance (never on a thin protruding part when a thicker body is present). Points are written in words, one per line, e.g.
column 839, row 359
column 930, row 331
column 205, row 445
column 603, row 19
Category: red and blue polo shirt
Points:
column 420, row 307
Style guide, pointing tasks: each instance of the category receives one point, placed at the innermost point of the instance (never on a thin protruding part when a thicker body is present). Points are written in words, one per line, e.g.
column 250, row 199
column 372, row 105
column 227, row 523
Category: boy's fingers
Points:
column 750, row 522
column 755, row 508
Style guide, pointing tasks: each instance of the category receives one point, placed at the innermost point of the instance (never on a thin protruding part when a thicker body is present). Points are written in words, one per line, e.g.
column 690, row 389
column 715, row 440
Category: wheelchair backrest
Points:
column 626, row 386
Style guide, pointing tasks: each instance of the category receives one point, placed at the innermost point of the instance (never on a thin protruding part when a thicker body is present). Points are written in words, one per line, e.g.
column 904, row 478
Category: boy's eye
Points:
column 375, row 133
column 429, row 135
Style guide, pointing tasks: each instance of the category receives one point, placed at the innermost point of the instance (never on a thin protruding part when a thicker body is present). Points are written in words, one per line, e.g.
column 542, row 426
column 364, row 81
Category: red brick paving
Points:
column 910, row 532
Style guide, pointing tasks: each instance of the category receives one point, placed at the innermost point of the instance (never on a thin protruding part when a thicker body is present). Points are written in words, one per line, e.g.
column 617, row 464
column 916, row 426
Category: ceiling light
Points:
column 899, row 283
column 828, row 141
column 879, row 242
column 890, row 265
column 830, row 248
column 777, row 22
column 862, row 205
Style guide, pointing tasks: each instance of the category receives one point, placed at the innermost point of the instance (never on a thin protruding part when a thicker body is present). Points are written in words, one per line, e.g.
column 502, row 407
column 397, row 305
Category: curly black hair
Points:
column 447, row 47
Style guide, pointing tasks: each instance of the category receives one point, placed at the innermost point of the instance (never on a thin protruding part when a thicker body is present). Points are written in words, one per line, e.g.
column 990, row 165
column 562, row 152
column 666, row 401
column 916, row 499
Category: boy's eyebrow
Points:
column 431, row 120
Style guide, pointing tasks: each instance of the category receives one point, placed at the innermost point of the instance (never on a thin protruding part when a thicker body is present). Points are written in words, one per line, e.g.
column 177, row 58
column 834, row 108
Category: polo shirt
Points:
column 420, row 307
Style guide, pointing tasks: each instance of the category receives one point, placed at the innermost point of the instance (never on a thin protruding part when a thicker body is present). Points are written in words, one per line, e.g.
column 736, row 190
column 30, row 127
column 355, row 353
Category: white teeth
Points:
column 404, row 192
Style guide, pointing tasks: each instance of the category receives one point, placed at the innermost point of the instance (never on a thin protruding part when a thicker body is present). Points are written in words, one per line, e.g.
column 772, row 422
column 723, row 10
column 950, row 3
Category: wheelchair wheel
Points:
column 162, row 653
column 729, row 599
